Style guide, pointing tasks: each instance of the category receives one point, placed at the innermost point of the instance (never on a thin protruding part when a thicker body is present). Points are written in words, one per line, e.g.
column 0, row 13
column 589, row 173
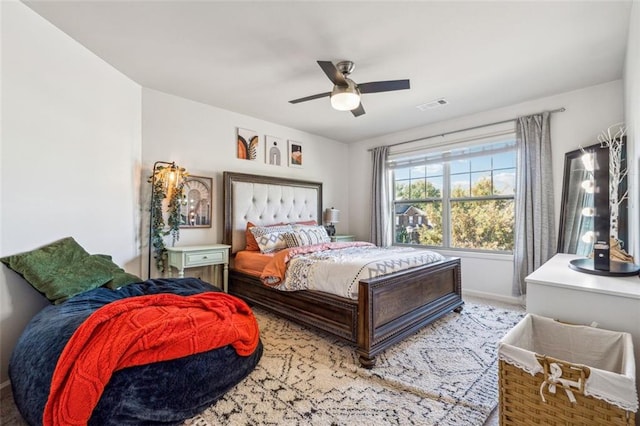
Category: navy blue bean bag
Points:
column 162, row 393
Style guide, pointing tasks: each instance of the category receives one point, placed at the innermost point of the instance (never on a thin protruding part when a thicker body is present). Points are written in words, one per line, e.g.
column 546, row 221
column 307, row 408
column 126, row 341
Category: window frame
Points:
column 446, row 199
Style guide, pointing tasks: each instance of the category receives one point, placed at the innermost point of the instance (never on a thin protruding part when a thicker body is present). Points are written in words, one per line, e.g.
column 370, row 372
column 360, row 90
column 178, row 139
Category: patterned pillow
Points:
column 306, row 236
column 271, row 238
column 250, row 240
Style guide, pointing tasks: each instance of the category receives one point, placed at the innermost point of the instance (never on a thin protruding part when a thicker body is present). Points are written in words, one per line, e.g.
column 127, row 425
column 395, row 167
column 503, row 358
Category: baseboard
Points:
column 511, row 300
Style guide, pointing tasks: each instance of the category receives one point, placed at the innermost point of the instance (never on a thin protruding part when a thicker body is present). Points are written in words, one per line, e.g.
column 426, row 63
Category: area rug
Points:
column 446, row 374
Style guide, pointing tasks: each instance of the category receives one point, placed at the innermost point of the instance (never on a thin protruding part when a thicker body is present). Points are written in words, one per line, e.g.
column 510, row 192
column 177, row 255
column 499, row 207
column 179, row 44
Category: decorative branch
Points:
column 612, row 138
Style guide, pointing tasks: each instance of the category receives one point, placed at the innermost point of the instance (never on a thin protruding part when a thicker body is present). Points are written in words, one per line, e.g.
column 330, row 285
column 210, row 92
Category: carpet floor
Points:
column 446, row 374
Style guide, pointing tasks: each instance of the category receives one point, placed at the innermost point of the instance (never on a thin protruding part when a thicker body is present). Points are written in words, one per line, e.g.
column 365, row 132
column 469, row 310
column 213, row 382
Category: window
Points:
column 460, row 199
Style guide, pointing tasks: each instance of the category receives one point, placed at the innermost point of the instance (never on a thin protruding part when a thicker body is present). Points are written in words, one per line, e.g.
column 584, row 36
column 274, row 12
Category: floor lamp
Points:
column 169, row 174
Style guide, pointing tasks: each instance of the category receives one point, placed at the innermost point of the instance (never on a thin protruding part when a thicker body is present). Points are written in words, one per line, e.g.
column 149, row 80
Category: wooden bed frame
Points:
column 389, row 307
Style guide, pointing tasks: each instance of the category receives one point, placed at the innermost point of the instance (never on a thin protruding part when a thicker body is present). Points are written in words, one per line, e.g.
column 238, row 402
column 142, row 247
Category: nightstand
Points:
column 185, row 257
column 336, row 238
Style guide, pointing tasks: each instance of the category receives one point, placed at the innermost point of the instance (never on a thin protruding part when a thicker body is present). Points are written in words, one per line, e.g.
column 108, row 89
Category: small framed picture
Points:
column 248, row 144
column 295, row 154
column 274, row 151
column 195, row 211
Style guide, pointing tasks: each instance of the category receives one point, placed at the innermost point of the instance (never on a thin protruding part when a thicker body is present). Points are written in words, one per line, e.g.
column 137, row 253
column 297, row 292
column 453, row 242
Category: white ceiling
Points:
column 253, row 57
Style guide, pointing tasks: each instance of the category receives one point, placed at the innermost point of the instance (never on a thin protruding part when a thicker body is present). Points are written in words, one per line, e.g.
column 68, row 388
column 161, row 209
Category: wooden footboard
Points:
column 326, row 312
column 390, row 307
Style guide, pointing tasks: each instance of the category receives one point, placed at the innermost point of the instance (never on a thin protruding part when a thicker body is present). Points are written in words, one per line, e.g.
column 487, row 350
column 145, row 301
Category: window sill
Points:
column 475, row 255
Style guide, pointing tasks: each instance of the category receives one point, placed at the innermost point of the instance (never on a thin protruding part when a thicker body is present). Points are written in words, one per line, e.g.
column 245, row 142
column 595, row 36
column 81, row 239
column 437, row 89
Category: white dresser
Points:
column 556, row 291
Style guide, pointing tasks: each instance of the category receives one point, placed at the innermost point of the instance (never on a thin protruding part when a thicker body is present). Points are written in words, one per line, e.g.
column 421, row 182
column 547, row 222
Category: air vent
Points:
column 433, row 104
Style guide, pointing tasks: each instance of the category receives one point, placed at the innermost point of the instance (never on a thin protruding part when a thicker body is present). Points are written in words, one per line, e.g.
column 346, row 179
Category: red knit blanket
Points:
column 137, row 331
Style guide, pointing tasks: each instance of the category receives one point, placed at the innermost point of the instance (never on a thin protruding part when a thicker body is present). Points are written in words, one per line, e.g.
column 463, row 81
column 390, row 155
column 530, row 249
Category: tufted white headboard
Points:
column 265, row 200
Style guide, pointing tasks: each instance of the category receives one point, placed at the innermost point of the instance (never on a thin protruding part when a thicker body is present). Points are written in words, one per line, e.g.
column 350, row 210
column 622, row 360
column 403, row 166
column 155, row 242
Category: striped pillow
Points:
column 306, row 236
column 271, row 238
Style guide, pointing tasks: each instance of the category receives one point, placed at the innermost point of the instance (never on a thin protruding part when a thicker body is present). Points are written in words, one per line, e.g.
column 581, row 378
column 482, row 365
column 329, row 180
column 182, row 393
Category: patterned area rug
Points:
column 446, row 374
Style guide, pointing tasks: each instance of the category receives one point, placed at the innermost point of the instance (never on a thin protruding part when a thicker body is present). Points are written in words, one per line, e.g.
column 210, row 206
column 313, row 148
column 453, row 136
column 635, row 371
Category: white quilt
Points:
column 339, row 271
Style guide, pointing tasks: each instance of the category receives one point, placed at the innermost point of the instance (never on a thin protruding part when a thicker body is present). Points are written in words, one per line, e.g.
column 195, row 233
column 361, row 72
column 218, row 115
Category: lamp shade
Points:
column 345, row 98
column 345, row 101
column 331, row 215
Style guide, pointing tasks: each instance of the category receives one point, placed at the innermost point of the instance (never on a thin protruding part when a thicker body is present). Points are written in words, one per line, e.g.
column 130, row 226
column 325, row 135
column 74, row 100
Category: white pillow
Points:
column 271, row 238
column 306, row 236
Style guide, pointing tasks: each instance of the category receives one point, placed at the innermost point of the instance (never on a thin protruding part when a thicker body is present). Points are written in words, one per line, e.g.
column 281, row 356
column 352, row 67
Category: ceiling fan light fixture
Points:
column 345, row 98
column 346, row 94
column 345, row 101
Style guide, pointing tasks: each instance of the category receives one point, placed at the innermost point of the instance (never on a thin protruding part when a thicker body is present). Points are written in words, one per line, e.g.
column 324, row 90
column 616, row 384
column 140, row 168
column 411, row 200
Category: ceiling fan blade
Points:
column 333, row 73
column 383, row 86
column 358, row 111
column 310, row 98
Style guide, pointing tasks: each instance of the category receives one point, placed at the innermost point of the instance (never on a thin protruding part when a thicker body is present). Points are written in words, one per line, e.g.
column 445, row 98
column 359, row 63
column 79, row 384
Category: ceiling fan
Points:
column 345, row 95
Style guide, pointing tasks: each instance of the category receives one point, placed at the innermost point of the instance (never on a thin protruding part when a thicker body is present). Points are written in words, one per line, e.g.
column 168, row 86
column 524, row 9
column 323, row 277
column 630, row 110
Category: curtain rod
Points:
column 463, row 130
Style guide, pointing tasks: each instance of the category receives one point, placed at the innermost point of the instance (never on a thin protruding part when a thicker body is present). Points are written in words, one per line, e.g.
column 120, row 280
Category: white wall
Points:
column 588, row 112
column 202, row 139
column 71, row 149
column 632, row 120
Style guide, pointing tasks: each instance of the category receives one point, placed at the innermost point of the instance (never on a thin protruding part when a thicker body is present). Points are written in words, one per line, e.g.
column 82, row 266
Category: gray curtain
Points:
column 535, row 237
column 380, row 212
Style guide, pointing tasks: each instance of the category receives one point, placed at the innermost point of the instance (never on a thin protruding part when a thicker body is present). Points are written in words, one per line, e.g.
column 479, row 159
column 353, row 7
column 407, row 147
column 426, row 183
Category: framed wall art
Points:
column 196, row 206
column 248, row 144
column 274, row 150
column 295, row 154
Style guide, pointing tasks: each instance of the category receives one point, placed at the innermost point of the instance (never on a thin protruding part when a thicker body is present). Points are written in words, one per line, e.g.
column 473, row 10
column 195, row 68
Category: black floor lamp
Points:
column 169, row 175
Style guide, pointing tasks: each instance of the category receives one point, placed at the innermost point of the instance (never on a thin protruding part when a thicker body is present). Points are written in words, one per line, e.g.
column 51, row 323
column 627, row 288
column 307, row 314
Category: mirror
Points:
column 573, row 224
column 196, row 206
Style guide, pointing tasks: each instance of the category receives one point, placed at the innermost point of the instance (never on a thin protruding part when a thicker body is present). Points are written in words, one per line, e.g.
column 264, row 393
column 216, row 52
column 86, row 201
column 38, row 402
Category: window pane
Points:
column 418, row 223
column 460, row 166
column 460, row 185
column 480, row 164
column 434, row 187
column 418, row 172
column 418, row 189
column 504, row 160
column 486, row 224
column 401, row 174
column 402, row 190
column 504, row 182
column 481, row 184
column 434, row 169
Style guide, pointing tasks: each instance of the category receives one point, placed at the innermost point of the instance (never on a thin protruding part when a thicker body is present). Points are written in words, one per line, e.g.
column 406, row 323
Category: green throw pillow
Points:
column 61, row 270
column 119, row 276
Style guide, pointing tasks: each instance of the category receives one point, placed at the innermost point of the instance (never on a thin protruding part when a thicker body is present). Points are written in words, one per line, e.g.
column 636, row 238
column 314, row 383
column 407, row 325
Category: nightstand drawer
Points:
column 205, row 257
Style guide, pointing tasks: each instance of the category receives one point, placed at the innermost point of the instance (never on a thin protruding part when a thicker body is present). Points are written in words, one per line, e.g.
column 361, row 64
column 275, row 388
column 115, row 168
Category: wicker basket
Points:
column 521, row 398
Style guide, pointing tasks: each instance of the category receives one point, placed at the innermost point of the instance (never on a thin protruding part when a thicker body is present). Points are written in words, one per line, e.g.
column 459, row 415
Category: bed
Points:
column 75, row 363
column 388, row 308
